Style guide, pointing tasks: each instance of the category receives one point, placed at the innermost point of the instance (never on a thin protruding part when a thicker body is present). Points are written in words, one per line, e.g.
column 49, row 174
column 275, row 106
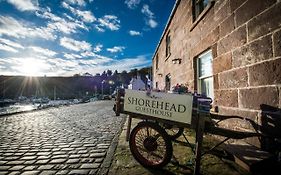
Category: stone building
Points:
column 227, row 49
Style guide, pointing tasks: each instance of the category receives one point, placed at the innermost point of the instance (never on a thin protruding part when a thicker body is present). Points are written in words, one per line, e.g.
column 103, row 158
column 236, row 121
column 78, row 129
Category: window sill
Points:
column 201, row 16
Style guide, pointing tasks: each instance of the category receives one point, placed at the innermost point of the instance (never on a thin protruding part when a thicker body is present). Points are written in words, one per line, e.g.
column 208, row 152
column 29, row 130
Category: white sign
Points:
column 174, row 107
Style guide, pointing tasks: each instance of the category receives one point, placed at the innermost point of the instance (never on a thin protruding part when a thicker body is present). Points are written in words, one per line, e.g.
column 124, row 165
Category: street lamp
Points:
column 103, row 81
column 110, row 83
column 95, row 91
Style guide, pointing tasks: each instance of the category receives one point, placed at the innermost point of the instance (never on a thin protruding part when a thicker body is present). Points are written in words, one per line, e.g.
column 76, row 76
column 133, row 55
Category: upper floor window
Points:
column 157, row 62
column 205, row 74
column 168, row 44
column 198, row 7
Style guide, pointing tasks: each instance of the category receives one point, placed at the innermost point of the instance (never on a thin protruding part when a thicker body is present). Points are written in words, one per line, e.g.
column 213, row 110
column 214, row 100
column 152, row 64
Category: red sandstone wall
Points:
column 245, row 38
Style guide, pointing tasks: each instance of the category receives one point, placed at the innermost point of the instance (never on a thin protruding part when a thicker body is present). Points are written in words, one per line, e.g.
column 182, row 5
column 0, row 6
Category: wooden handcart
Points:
column 149, row 142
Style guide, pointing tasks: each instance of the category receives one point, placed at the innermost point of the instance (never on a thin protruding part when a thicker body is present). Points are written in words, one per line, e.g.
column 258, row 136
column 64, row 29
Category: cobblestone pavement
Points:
column 77, row 139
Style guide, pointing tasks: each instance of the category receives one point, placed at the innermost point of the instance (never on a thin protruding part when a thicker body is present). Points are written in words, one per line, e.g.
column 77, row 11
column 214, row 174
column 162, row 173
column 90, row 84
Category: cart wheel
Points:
column 150, row 145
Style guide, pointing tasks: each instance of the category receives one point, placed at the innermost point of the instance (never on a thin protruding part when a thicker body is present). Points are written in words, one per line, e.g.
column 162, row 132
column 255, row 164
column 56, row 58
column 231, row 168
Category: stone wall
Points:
column 245, row 39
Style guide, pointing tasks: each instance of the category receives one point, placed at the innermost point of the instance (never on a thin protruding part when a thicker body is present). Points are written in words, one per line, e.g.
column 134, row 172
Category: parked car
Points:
column 106, row 97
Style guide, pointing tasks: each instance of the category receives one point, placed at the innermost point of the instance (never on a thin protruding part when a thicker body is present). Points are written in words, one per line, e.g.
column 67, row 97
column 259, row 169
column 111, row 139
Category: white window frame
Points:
column 204, row 77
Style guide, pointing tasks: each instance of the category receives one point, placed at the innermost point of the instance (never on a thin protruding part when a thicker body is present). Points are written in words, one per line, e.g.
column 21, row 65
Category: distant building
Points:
column 136, row 84
column 227, row 49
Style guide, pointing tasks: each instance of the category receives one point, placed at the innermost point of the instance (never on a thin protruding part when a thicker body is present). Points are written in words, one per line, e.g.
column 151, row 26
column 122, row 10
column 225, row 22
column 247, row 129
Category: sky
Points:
column 67, row 37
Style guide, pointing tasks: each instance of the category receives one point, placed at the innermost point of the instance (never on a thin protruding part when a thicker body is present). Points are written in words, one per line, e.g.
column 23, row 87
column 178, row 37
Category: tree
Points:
column 133, row 72
column 124, row 72
column 76, row 75
column 115, row 72
column 87, row 74
column 104, row 75
column 109, row 73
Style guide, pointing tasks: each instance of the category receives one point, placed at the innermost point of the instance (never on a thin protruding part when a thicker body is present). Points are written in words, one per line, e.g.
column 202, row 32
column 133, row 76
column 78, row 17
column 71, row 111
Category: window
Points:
column 156, row 62
column 168, row 82
column 205, row 74
column 198, row 7
column 156, row 85
column 168, row 44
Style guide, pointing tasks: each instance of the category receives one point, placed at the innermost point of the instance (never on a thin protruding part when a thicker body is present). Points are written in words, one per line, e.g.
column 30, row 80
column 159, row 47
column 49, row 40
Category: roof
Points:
column 167, row 25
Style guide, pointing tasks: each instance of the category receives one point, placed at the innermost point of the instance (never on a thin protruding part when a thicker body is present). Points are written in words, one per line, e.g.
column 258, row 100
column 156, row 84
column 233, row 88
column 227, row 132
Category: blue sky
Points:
column 65, row 37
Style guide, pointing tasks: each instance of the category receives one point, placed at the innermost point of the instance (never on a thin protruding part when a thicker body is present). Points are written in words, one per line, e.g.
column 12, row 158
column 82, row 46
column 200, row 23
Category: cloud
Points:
column 9, row 26
column 72, row 66
column 132, row 4
column 53, row 66
column 145, row 10
column 43, row 51
column 108, row 21
column 77, row 2
column 39, row 67
column 86, row 16
column 93, row 62
column 130, row 63
column 120, row 65
column 100, row 63
column 150, row 18
column 134, row 33
column 68, row 69
column 75, row 45
column 24, row 5
column 152, row 23
column 116, row 49
column 68, row 17
column 98, row 48
column 60, row 24
column 72, row 56
column 64, row 27
column 24, row 66
column 100, row 29
column 7, row 48
column 94, row 56
column 88, row 54
column 11, row 43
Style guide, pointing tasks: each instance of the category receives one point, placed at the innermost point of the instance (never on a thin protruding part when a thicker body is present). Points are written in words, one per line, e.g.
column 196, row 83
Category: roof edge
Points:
column 167, row 25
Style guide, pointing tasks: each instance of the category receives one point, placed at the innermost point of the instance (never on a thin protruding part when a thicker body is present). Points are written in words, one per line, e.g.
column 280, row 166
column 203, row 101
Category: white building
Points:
column 136, row 84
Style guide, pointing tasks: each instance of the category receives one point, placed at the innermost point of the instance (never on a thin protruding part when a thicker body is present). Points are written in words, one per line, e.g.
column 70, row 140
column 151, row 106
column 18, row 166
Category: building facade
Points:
column 227, row 49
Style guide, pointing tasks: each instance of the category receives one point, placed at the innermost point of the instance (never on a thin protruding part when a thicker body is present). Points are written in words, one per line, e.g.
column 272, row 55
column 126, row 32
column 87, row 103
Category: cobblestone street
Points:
column 77, row 139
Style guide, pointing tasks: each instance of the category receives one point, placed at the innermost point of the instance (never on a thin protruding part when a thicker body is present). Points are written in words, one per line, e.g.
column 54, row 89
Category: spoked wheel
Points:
column 150, row 145
column 173, row 131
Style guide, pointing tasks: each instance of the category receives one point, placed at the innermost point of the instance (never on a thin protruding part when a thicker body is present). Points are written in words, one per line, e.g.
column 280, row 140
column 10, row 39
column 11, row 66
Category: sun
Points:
column 32, row 67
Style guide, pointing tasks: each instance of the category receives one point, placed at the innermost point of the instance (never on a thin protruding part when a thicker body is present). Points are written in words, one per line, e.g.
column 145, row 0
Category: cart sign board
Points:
column 174, row 107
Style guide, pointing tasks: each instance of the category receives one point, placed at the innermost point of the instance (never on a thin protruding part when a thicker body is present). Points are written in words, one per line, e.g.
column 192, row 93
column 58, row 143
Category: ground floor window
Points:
column 168, row 82
column 205, row 74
